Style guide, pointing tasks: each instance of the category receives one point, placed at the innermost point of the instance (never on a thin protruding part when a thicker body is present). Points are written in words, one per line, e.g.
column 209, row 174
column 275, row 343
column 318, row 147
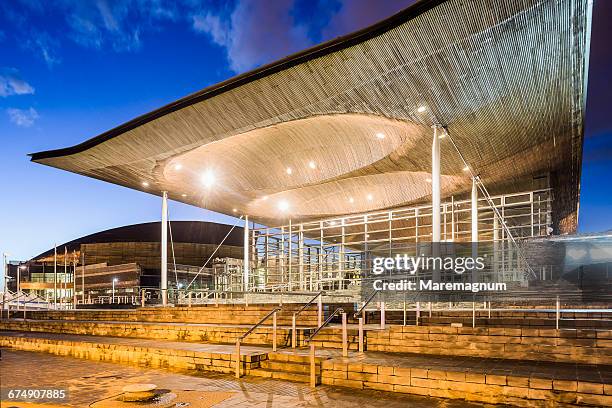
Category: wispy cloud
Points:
column 22, row 117
column 45, row 47
column 12, row 84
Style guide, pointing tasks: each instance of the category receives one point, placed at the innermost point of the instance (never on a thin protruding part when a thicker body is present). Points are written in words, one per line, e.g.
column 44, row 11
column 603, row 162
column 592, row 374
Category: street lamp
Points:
column 113, row 299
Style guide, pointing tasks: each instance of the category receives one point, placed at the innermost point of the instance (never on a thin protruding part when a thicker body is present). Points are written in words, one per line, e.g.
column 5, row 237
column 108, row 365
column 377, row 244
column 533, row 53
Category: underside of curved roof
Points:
column 507, row 78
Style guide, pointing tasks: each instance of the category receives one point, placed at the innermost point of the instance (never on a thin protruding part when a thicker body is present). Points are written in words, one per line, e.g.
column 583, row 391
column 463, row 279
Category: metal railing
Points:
column 296, row 314
column 256, row 325
column 313, row 368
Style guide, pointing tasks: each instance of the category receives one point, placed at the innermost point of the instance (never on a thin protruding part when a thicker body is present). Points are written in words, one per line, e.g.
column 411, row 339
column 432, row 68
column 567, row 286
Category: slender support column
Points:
column 435, row 184
column 83, row 277
column 474, row 210
column 274, row 332
column 360, row 335
column 55, row 276
column 382, row 315
column 301, row 258
column 164, row 249
column 344, row 337
column 245, row 275
column 313, row 368
column 474, row 204
column 290, row 256
column 237, row 358
column 293, row 332
column 319, row 310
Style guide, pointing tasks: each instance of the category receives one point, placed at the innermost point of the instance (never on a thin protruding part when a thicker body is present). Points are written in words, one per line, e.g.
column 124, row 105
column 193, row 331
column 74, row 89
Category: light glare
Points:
column 283, row 205
column 380, row 135
column 312, row 165
column 208, row 179
column 421, row 109
column 289, row 170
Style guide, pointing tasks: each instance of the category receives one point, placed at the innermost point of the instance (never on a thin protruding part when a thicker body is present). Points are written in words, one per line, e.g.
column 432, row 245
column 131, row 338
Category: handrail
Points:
column 239, row 339
column 367, row 302
column 325, row 323
column 266, row 317
column 296, row 314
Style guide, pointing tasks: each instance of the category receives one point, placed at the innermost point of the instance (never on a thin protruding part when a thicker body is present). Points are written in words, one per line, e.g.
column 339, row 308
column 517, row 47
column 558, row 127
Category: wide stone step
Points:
column 299, row 368
column 280, row 375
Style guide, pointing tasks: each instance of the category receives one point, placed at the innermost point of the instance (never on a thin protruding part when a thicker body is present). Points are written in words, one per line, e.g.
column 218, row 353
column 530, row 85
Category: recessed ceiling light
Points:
column 178, row 166
column 208, row 178
column 312, row 165
column 183, row 195
column 283, row 205
column 234, row 210
column 367, row 236
column 369, row 197
column 466, row 168
column 145, row 184
column 264, row 198
column 380, row 135
column 351, row 200
column 289, row 170
column 421, row 109
column 332, row 223
column 428, row 180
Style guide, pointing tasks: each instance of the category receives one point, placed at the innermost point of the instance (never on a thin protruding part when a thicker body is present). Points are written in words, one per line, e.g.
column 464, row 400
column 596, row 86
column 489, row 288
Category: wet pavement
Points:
column 89, row 381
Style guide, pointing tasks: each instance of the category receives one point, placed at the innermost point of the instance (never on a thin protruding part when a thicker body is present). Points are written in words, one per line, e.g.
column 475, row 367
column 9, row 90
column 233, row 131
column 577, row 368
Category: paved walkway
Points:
column 90, row 381
column 520, row 368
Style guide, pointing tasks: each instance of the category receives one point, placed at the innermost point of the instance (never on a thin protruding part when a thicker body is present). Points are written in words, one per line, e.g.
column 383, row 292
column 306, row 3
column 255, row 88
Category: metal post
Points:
column 189, row 300
column 238, row 358
column 55, row 277
column 164, row 249
column 319, row 310
column 360, row 335
column 473, row 314
column 489, row 308
column 344, row 337
column 558, row 315
column 274, row 332
column 245, row 262
column 293, row 333
column 435, row 185
column 142, row 297
column 474, row 210
column 418, row 312
column 290, row 256
column 429, row 306
column 313, row 368
column 404, row 312
column 83, row 277
column 18, row 284
column 382, row 315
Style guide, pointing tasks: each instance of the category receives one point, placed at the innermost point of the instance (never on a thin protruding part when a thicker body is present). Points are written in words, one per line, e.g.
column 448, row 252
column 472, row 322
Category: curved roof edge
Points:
column 289, row 61
column 196, row 232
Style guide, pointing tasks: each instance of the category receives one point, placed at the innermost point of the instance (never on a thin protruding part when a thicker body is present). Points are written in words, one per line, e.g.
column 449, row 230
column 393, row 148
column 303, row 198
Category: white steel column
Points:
column 435, row 185
column 474, row 210
column 164, row 249
column 55, row 276
column 246, row 254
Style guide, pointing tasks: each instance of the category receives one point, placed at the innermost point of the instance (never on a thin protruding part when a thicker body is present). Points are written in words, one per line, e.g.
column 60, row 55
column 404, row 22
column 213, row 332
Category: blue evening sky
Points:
column 71, row 69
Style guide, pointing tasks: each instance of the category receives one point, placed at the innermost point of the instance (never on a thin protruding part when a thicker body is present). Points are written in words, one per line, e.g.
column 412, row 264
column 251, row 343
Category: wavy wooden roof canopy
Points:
column 352, row 118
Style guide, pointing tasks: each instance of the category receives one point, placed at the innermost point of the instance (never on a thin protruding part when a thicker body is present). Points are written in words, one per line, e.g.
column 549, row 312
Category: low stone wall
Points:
column 576, row 346
column 221, row 314
column 142, row 356
column 495, row 389
column 159, row 331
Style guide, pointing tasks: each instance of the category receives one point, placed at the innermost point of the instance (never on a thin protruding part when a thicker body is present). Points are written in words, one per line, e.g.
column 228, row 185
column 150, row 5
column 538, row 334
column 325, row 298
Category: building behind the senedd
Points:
column 130, row 256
